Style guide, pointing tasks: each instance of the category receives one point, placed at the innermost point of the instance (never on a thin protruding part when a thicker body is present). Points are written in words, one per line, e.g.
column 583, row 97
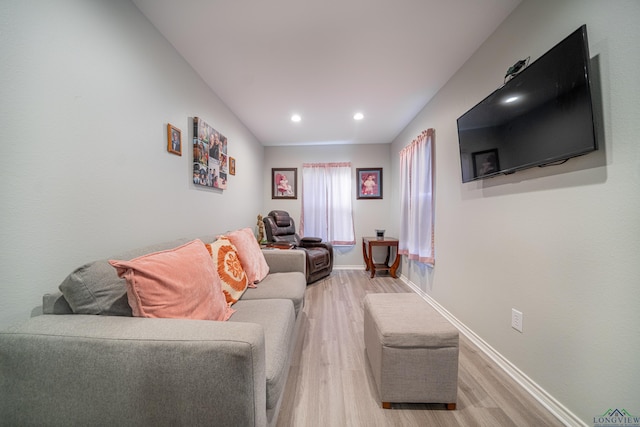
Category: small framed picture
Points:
column 485, row 162
column 174, row 140
column 284, row 183
column 232, row 165
column 369, row 183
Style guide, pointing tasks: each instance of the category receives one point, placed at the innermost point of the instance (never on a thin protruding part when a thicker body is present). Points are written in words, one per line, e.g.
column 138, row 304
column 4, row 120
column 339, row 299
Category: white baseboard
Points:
column 563, row 414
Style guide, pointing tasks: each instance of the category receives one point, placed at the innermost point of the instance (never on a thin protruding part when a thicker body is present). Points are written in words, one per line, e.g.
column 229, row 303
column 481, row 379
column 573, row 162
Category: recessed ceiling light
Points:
column 296, row 118
column 511, row 99
column 358, row 116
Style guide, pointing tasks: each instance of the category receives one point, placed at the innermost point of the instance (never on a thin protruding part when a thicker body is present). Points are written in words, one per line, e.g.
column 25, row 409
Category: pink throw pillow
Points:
column 250, row 254
column 176, row 283
column 227, row 263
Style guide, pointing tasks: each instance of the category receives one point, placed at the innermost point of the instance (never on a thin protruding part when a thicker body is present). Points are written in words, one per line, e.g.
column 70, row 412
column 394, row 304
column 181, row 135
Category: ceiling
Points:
column 326, row 59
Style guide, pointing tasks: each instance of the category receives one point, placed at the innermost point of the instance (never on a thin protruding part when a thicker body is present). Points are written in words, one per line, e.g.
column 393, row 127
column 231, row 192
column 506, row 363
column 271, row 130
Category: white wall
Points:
column 368, row 215
column 86, row 91
column 560, row 244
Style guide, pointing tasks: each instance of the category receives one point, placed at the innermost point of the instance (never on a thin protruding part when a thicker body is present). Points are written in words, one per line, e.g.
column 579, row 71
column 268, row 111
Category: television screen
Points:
column 541, row 116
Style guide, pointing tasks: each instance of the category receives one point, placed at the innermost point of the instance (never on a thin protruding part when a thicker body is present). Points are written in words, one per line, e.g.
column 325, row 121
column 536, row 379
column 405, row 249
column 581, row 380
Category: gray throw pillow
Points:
column 95, row 288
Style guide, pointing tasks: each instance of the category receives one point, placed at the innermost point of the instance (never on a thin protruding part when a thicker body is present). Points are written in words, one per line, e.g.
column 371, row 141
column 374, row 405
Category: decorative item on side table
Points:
column 369, row 183
column 261, row 238
column 210, row 161
column 284, row 183
column 174, row 140
column 379, row 234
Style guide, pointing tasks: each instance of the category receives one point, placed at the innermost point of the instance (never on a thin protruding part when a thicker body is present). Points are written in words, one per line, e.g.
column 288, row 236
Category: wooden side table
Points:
column 368, row 243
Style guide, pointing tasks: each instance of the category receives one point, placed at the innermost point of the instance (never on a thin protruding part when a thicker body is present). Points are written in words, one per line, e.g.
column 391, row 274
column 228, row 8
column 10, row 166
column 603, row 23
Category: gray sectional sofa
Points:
column 96, row 365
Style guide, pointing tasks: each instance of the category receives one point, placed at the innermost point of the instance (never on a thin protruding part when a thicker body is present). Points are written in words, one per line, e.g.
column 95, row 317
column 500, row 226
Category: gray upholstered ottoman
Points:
column 412, row 350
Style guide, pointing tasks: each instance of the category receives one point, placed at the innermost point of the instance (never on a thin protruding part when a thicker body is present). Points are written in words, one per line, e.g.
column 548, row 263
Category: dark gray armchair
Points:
column 280, row 227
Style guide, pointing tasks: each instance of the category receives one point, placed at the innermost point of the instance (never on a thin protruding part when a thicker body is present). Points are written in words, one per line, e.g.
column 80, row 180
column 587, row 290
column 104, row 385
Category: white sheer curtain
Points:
column 416, row 199
column 326, row 202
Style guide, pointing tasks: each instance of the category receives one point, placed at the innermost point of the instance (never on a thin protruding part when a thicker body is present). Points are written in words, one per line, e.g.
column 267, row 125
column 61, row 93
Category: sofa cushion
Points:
column 277, row 318
column 175, row 283
column 290, row 285
column 250, row 254
column 95, row 287
column 227, row 263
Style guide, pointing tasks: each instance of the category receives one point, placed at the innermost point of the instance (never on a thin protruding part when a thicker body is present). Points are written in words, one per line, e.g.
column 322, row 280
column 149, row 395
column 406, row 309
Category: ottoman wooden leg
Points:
column 451, row 406
column 386, row 405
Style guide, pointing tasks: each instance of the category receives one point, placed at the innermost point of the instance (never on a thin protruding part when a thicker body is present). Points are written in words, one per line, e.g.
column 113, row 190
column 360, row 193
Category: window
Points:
column 326, row 202
column 416, row 199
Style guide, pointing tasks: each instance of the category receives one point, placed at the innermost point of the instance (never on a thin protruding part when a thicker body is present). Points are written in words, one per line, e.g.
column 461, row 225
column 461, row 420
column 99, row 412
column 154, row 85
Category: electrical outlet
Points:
column 516, row 320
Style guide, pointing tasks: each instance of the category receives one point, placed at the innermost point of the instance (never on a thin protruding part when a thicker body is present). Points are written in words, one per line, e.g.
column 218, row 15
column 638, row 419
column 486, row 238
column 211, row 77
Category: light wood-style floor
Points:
column 330, row 383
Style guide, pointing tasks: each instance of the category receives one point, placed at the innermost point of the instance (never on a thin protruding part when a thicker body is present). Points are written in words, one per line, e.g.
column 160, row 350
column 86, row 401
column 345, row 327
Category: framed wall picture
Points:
column 174, row 140
column 232, row 165
column 369, row 183
column 210, row 160
column 284, row 183
column 485, row 162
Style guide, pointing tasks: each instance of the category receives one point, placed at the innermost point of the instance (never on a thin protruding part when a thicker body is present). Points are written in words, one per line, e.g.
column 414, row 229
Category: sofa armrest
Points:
column 86, row 369
column 282, row 261
column 315, row 244
column 55, row 303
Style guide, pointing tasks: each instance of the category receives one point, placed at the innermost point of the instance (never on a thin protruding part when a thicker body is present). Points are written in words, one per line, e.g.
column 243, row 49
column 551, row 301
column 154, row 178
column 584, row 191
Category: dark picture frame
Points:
column 284, row 183
column 369, row 182
column 485, row 162
column 174, row 140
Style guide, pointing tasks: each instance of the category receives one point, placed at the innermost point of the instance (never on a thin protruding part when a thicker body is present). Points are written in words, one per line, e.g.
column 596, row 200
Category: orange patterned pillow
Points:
column 227, row 263
column 176, row 283
column 250, row 254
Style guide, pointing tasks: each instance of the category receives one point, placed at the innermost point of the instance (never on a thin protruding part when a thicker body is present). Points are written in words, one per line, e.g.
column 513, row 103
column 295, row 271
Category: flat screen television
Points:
column 542, row 116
